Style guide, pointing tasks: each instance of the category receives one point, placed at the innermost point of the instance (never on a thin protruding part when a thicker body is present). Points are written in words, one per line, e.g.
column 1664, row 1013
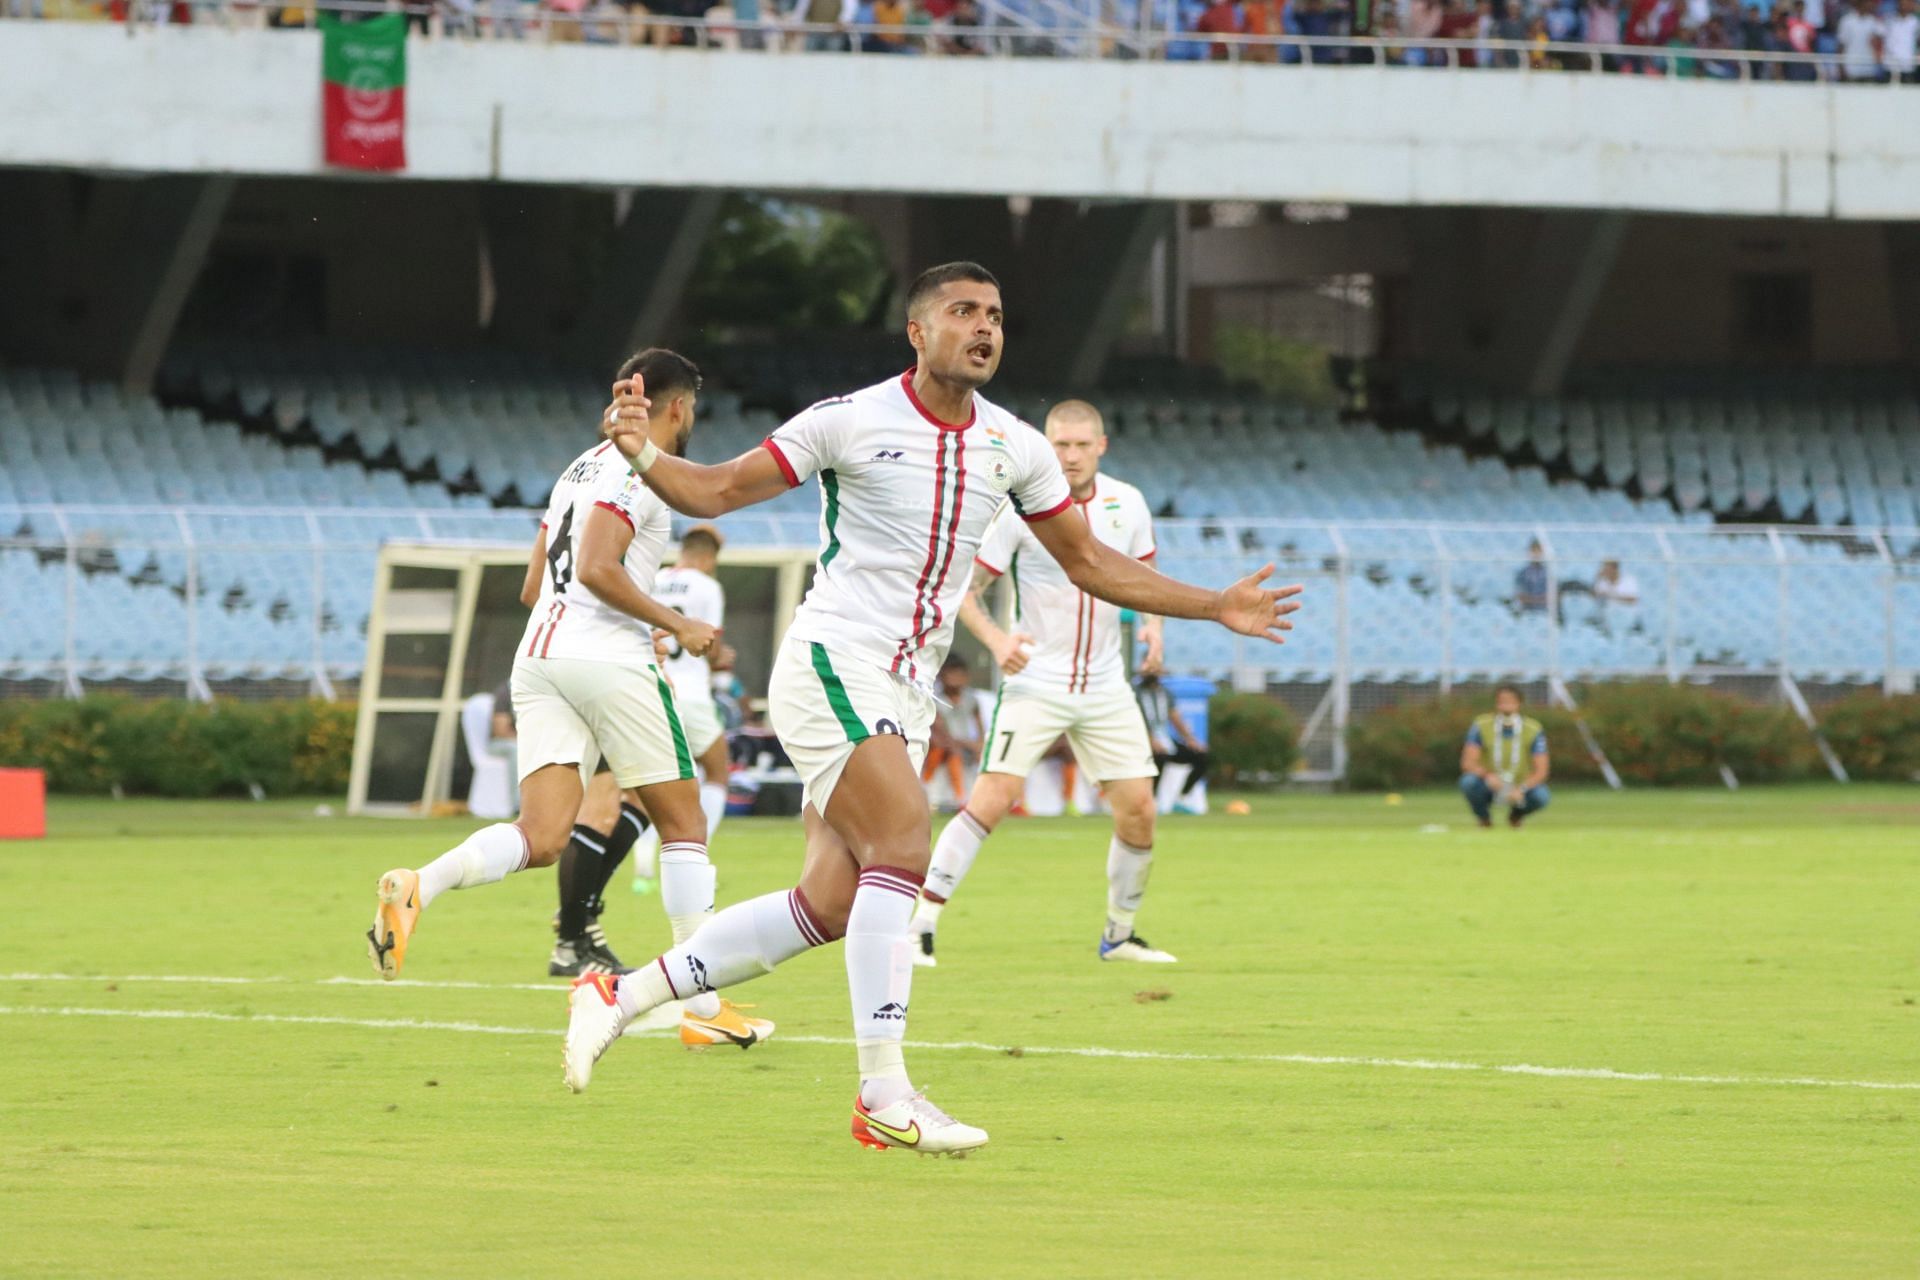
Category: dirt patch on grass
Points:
column 1898, row 812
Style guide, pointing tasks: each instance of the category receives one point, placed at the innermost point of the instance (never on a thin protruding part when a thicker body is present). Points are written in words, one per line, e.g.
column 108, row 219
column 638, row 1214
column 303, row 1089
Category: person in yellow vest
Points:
column 1505, row 761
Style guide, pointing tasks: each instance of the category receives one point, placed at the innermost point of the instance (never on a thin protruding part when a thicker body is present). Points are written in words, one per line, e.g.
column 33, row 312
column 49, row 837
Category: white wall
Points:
column 195, row 99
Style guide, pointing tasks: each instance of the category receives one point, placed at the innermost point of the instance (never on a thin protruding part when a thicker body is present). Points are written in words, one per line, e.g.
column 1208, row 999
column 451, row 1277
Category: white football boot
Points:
column 594, row 1021
column 1136, row 949
column 913, row 1124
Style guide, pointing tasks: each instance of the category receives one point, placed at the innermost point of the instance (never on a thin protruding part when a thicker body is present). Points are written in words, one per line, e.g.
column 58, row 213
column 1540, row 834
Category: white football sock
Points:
column 646, row 854
column 953, row 856
column 742, row 942
column 713, row 803
column 1127, row 870
column 489, row 854
column 686, row 891
column 686, row 886
column 880, row 979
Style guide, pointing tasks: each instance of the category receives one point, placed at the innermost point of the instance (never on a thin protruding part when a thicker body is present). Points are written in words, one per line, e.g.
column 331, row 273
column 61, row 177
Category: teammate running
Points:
column 912, row 472
column 1063, row 672
column 585, row 683
column 689, row 587
column 604, row 829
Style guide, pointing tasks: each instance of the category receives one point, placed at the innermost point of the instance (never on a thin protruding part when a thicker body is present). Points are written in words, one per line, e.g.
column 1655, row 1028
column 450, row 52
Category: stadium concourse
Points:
column 243, row 545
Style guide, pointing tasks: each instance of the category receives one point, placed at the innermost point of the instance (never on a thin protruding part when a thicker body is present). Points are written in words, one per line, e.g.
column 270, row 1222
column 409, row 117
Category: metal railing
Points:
column 1069, row 30
column 210, row 598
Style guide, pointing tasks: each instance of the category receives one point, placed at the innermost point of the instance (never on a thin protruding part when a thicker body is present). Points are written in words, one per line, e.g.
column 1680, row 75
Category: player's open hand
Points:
column 626, row 420
column 1011, row 654
column 696, row 637
column 722, row 658
column 1253, row 609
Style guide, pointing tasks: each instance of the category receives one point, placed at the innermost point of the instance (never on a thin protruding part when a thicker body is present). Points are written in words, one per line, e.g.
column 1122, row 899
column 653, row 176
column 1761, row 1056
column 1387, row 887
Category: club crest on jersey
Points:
column 999, row 474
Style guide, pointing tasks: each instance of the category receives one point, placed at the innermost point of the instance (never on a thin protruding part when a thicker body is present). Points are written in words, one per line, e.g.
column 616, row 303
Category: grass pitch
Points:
column 1323, row 1087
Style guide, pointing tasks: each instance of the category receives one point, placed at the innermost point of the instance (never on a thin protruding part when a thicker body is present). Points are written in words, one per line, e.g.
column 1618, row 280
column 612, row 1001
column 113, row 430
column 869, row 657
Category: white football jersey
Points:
column 1076, row 637
column 699, row 597
column 905, row 499
column 569, row 621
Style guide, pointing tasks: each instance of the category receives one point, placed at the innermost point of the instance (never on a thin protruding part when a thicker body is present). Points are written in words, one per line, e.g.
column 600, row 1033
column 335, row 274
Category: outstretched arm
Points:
column 1099, row 570
column 687, row 487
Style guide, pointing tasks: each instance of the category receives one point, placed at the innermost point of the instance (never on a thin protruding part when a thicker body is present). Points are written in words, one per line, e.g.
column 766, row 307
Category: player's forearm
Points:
column 1131, row 584
column 1539, row 774
column 614, row 588
column 691, row 488
column 980, row 624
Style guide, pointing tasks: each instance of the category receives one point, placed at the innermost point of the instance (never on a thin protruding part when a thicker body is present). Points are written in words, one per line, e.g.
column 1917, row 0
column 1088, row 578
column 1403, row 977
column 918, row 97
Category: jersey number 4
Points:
column 560, row 554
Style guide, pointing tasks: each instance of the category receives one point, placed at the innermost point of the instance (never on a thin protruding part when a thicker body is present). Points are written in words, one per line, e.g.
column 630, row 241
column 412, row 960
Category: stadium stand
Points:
column 1828, row 451
column 284, row 468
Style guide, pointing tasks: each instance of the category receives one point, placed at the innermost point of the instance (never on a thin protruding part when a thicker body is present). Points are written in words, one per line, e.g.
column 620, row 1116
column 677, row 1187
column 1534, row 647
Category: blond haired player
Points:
column 1062, row 672
column 911, row 471
column 586, row 684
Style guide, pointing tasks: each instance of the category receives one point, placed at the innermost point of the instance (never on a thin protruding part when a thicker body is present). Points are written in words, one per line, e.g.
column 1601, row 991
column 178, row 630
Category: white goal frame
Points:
column 450, row 612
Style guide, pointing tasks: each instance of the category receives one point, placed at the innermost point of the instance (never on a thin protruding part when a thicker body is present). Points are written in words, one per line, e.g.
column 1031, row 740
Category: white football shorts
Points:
column 824, row 704
column 574, row 711
column 1105, row 729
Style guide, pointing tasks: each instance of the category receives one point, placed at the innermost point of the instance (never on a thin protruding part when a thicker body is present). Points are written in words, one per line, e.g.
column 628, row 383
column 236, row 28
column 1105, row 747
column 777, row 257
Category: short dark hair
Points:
column 955, row 663
column 1513, row 689
column 665, row 373
column 930, row 281
column 701, row 535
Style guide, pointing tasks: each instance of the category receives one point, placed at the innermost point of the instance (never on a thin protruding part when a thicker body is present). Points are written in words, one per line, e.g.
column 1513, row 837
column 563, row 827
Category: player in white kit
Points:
column 586, row 684
column 688, row 586
column 1062, row 672
column 911, row 471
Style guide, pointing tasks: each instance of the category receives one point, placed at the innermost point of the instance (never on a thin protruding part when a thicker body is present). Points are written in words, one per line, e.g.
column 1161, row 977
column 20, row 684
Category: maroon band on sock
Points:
column 979, row 828
column 893, row 880
column 804, row 919
column 526, row 849
column 662, row 962
column 932, row 897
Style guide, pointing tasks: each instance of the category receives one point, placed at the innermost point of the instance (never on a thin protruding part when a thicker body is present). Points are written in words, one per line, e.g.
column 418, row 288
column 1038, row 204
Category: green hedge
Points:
column 1251, row 736
column 1875, row 737
column 174, row 748
column 1654, row 733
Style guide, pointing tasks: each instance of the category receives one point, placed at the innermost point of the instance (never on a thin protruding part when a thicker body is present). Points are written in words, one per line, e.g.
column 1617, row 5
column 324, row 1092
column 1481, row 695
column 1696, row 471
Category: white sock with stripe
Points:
column 1127, row 871
column 489, row 854
column 686, row 891
column 953, row 856
column 880, row 979
column 686, row 886
column 742, row 942
column 713, row 803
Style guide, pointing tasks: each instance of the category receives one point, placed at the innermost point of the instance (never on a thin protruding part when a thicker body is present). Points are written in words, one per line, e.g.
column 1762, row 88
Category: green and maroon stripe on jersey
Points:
column 945, row 527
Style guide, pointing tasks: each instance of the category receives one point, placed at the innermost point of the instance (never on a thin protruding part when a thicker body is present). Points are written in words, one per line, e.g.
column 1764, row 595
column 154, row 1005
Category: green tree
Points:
column 774, row 264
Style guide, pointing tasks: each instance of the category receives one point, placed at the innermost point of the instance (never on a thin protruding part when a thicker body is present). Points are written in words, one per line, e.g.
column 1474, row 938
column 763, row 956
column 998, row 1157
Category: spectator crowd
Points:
column 1861, row 40
column 1854, row 40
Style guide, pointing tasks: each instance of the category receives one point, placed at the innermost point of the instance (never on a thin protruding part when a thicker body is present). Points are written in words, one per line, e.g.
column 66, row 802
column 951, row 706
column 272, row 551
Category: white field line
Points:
column 970, row 1046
